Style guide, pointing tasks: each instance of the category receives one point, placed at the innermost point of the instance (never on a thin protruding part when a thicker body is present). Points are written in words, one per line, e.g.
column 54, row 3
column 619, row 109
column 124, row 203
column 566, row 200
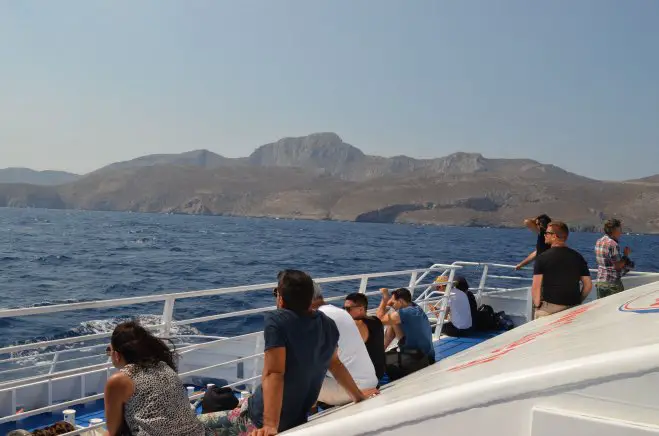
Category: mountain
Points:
column 196, row 158
column 26, row 175
column 190, row 190
column 321, row 177
column 23, row 195
column 651, row 179
column 327, row 153
column 481, row 199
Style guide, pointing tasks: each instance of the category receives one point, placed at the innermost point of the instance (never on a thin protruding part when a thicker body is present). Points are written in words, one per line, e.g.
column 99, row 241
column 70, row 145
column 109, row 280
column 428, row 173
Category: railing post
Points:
column 167, row 314
column 54, row 362
column 260, row 343
column 363, row 284
column 412, row 284
column 83, row 385
column 50, row 392
column 529, row 305
column 481, row 285
column 444, row 305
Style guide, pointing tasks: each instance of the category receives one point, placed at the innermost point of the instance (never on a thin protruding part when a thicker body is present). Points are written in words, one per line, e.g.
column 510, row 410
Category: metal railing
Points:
column 163, row 329
column 427, row 296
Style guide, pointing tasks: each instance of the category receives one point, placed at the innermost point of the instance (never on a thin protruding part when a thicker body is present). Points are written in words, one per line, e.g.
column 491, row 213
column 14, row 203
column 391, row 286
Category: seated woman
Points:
column 146, row 397
column 462, row 307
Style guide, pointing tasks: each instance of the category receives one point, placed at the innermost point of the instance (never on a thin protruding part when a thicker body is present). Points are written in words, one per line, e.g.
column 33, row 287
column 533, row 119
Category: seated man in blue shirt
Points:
column 410, row 325
column 300, row 347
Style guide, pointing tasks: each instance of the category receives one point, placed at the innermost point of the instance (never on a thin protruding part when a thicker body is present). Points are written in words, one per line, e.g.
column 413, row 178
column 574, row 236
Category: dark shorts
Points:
column 450, row 330
column 405, row 362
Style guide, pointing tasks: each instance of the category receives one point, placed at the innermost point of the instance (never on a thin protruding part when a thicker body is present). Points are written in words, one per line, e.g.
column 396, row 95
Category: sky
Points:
column 574, row 83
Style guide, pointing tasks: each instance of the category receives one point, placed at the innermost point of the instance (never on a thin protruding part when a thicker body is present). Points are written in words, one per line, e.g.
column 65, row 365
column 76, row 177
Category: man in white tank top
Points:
column 352, row 353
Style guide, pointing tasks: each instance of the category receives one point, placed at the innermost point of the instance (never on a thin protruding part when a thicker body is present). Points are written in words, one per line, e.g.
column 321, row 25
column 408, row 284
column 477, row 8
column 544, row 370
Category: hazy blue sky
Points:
column 569, row 82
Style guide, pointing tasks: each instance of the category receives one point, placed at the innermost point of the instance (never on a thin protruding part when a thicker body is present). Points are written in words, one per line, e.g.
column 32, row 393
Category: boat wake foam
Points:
column 90, row 328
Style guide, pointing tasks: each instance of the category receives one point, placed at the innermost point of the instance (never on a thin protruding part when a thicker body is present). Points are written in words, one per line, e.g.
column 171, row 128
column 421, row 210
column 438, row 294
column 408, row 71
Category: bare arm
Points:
column 619, row 265
column 390, row 318
column 382, row 308
column 272, row 382
column 532, row 225
column 344, row 378
column 536, row 290
column 528, row 260
column 118, row 390
column 587, row 283
column 389, row 336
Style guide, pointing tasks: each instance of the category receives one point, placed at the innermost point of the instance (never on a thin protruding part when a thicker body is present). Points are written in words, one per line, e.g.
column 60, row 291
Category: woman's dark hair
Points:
column 296, row 290
column 140, row 347
column 543, row 221
column 461, row 283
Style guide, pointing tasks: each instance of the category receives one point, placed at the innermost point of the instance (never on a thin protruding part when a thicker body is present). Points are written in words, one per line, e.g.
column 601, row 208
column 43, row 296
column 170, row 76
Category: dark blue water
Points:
column 49, row 257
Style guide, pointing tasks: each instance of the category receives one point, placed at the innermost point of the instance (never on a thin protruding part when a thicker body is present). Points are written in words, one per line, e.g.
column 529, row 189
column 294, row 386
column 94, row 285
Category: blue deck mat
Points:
column 444, row 348
column 448, row 346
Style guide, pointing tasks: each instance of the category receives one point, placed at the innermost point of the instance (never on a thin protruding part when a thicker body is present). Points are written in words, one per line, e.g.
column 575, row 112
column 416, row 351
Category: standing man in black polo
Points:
column 537, row 225
column 561, row 279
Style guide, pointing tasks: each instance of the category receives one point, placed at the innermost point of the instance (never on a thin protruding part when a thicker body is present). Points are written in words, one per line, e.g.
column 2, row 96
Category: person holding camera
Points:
column 611, row 266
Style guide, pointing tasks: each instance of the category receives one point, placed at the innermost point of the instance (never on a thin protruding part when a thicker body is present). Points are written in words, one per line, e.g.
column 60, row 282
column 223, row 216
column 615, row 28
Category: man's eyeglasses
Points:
column 274, row 292
column 108, row 351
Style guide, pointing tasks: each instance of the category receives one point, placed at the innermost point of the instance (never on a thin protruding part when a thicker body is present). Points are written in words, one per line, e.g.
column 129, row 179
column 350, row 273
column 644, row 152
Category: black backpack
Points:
column 218, row 399
column 503, row 321
column 486, row 319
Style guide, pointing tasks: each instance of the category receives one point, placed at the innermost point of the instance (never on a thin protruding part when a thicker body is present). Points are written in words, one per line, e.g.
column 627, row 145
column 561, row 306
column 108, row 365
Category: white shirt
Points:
column 352, row 350
column 460, row 309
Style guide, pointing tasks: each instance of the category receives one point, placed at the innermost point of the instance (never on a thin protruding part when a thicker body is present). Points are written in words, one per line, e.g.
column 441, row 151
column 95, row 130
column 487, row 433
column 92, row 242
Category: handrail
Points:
column 416, row 278
column 169, row 307
column 99, row 368
column 50, row 353
column 6, row 313
column 45, row 378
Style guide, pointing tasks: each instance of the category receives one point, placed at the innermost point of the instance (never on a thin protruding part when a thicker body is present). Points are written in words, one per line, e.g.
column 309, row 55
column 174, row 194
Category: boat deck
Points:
column 445, row 347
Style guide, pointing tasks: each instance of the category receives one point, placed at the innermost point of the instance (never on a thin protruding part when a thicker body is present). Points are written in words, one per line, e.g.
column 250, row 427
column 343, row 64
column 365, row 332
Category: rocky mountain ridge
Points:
column 42, row 178
column 328, row 154
column 321, row 177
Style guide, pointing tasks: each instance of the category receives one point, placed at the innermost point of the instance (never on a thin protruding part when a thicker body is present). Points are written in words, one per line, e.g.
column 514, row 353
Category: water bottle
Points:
column 190, row 390
column 98, row 431
column 70, row 416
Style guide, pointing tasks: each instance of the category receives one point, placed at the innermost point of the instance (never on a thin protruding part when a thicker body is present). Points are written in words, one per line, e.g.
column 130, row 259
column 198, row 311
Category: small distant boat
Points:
column 591, row 369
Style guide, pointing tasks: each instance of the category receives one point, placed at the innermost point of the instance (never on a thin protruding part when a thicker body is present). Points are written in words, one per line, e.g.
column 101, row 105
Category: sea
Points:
column 53, row 257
